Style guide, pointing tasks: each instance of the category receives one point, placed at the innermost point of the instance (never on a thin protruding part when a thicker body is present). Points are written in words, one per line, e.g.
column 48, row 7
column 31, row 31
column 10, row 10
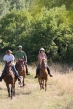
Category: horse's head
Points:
column 43, row 63
column 20, row 64
column 8, row 66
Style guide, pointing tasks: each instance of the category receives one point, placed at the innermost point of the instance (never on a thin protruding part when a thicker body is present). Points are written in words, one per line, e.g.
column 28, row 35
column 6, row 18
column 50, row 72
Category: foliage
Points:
column 52, row 30
column 13, row 25
column 35, row 24
column 4, row 8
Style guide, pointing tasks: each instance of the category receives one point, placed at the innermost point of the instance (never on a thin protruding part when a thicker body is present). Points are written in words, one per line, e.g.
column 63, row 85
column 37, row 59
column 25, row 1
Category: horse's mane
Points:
column 21, row 61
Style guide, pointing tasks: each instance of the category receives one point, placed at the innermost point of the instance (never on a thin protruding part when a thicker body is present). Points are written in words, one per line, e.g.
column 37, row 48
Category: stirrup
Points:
column 35, row 77
column 19, row 79
column 51, row 76
column 19, row 82
column 27, row 73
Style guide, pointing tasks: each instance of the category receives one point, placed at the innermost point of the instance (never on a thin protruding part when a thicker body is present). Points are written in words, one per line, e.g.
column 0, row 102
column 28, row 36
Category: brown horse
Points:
column 21, row 68
column 10, row 79
column 43, row 75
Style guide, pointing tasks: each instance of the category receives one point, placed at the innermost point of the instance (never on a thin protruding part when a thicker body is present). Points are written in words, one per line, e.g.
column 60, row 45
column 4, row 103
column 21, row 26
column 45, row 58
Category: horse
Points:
column 21, row 68
column 43, row 75
column 10, row 79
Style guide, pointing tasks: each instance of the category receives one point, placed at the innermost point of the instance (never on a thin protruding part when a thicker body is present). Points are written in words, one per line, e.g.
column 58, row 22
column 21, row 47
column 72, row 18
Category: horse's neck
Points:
column 20, row 68
column 9, row 69
column 42, row 68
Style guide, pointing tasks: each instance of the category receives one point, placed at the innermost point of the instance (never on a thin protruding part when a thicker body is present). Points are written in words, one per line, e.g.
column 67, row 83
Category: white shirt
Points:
column 9, row 58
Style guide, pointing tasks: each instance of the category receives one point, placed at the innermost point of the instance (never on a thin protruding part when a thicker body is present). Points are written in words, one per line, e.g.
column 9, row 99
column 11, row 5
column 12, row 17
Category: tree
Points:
column 51, row 30
column 4, row 8
column 20, row 4
column 13, row 26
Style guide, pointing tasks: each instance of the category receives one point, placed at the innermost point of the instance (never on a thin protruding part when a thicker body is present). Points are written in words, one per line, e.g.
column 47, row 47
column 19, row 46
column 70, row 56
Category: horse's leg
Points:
column 24, row 73
column 12, row 89
column 40, row 83
column 39, row 80
column 11, row 92
column 23, row 81
column 8, row 88
column 45, row 85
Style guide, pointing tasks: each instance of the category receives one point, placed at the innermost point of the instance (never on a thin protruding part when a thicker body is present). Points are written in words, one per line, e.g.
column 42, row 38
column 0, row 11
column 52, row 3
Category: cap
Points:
column 19, row 46
column 42, row 49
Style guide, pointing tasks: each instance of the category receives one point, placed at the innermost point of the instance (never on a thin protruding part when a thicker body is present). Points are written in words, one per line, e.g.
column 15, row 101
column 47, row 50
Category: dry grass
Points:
column 59, row 94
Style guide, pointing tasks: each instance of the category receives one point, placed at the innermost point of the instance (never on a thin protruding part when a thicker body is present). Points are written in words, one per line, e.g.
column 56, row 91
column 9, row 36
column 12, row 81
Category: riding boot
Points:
column 37, row 72
column 2, row 76
column 27, row 73
column 16, row 74
column 49, row 72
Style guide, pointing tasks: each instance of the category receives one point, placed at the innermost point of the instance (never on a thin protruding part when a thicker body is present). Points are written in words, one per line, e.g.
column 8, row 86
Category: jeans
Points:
column 15, row 71
column 38, row 68
column 3, row 71
column 26, row 68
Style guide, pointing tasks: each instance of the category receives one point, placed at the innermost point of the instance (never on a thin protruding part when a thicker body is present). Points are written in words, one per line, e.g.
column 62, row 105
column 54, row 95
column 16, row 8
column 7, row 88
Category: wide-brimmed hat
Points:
column 8, row 51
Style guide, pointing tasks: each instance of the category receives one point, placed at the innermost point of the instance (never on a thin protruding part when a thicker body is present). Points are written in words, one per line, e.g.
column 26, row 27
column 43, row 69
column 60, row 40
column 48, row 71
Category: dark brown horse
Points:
column 10, row 79
column 21, row 68
column 43, row 75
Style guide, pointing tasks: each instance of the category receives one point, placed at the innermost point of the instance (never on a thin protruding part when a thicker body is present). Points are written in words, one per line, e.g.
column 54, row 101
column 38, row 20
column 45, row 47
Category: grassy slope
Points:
column 59, row 94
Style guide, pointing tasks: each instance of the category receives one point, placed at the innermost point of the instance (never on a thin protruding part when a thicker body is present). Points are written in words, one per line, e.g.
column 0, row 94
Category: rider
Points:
column 7, row 58
column 20, row 54
column 41, row 56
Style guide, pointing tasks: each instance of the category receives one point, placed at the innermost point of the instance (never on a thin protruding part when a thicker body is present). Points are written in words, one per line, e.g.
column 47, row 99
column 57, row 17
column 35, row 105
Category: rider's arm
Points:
column 45, row 57
column 25, row 57
column 39, row 57
column 4, row 59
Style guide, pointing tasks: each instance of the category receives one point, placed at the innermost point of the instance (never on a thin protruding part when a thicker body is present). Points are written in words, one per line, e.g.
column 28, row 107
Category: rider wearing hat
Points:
column 10, row 58
column 41, row 56
column 20, row 54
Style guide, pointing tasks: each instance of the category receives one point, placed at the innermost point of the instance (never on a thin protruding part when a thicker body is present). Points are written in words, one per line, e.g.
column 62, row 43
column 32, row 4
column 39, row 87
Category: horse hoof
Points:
column 11, row 98
column 42, row 87
column 8, row 95
column 51, row 76
column 24, row 84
